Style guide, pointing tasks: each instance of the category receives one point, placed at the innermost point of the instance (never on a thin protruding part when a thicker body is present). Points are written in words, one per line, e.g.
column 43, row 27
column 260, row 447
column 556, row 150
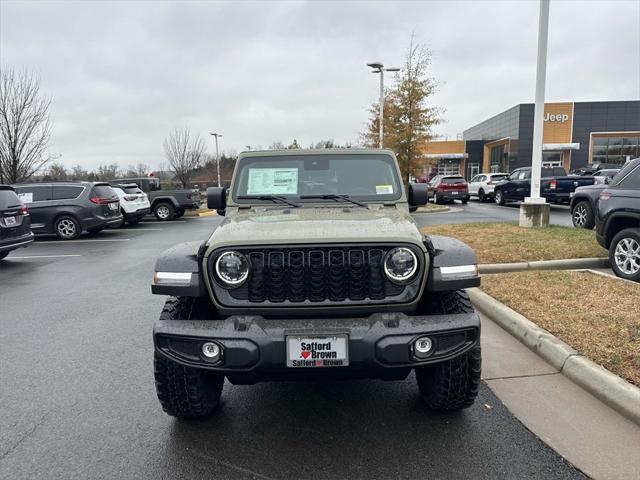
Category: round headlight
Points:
column 232, row 269
column 400, row 264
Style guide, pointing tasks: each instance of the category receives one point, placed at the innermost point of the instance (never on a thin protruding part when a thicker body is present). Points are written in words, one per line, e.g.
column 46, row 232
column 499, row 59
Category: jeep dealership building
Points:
column 575, row 134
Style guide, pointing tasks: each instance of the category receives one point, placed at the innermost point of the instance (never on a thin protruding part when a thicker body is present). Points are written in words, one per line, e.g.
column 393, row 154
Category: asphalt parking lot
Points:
column 78, row 399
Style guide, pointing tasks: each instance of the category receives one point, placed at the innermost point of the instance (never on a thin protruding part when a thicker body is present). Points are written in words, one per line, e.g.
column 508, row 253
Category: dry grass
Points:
column 507, row 242
column 598, row 316
column 430, row 207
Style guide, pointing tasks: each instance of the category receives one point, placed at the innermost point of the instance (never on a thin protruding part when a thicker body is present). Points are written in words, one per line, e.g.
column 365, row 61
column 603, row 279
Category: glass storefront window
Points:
column 614, row 149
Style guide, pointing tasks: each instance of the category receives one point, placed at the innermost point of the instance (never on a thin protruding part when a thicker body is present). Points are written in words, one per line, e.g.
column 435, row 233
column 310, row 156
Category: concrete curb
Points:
column 565, row 264
column 432, row 210
column 614, row 391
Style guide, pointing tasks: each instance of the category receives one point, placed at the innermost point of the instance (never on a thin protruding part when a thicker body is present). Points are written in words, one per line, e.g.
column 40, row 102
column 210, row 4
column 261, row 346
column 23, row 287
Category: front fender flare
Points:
column 449, row 252
column 183, row 258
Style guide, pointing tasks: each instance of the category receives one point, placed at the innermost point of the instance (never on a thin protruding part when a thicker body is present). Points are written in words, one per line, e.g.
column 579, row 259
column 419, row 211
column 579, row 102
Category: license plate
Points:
column 10, row 221
column 113, row 206
column 317, row 351
column 455, row 193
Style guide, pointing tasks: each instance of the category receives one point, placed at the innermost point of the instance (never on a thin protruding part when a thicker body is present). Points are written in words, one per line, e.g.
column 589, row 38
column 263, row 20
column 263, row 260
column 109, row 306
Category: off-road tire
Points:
column 453, row 384
column 629, row 241
column 582, row 215
column 164, row 212
column 185, row 392
column 499, row 197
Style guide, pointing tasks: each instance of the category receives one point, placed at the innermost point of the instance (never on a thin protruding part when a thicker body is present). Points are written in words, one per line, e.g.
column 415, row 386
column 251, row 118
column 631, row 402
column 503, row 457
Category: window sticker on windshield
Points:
column 26, row 197
column 273, row 181
column 384, row 189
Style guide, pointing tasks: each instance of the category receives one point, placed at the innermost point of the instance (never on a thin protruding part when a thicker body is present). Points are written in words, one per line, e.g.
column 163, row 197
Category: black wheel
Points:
column 4, row 254
column 179, row 213
column 481, row 196
column 624, row 254
column 499, row 197
column 94, row 231
column 465, row 200
column 454, row 384
column 185, row 392
column 66, row 227
column 582, row 215
column 164, row 211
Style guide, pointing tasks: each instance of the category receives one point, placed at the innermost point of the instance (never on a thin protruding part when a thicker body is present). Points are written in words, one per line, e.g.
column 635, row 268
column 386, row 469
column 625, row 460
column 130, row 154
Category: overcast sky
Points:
column 123, row 74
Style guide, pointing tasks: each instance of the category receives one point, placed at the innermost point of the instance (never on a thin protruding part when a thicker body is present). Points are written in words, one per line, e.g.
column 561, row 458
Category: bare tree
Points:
column 107, row 172
column 185, row 152
column 57, row 171
column 79, row 173
column 25, row 128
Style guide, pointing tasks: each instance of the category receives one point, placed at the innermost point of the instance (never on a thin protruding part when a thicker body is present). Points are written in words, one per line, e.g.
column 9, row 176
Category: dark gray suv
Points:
column 66, row 209
column 14, row 222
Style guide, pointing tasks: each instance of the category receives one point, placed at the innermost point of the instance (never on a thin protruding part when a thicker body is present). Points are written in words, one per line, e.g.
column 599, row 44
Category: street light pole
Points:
column 379, row 68
column 534, row 212
column 216, row 135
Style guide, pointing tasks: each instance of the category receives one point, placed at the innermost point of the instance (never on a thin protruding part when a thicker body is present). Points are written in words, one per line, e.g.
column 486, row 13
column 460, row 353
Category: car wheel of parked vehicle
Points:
column 465, row 200
column 582, row 216
column 67, row 228
column 499, row 198
column 624, row 254
column 183, row 391
column 179, row 213
column 3, row 254
column 436, row 200
column 481, row 196
column 454, row 384
column 164, row 211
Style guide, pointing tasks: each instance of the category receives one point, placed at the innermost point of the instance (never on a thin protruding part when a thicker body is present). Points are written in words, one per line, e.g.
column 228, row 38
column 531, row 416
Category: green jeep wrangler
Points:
column 317, row 271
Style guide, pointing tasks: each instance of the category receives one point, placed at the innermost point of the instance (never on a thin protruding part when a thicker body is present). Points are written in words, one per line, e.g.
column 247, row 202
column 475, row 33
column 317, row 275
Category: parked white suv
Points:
column 134, row 203
column 482, row 185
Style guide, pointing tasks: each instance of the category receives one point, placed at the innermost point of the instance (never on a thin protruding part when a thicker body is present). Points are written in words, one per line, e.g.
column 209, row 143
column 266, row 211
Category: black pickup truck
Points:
column 165, row 204
column 555, row 185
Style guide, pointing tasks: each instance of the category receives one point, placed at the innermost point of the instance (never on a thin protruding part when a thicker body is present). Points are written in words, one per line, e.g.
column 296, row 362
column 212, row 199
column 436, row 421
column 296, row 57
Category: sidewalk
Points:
column 587, row 433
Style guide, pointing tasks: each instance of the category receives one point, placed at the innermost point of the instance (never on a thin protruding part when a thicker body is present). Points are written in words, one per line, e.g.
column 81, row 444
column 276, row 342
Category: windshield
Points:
column 370, row 178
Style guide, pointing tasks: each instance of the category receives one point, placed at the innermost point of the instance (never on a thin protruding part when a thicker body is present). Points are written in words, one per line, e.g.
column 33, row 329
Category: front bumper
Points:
column 254, row 349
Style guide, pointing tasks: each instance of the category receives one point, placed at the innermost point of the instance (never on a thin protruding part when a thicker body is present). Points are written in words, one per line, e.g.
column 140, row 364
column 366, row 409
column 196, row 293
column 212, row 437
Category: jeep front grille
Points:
column 313, row 275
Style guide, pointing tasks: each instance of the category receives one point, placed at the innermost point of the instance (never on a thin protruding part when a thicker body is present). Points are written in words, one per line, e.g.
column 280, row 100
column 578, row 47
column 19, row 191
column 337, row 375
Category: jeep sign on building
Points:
column 576, row 134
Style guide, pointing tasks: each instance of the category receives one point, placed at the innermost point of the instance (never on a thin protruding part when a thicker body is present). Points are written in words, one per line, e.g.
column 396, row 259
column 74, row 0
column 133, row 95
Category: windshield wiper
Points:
column 333, row 196
column 273, row 198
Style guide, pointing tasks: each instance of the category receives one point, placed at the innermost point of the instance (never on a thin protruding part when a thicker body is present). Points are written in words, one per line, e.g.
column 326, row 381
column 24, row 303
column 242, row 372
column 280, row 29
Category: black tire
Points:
column 454, row 384
column 481, row 196
column 436, row 200
column 179, row 213
column 582, row 215
column 185, row 392
column 499, row 197
column 4, row 254
column 66, row 227
column 465, row 200
column 164, row 212
column 624, row 254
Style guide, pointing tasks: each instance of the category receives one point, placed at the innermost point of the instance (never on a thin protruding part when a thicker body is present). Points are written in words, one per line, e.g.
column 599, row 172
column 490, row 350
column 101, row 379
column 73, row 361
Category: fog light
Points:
column 422, row 347
column 211, row 350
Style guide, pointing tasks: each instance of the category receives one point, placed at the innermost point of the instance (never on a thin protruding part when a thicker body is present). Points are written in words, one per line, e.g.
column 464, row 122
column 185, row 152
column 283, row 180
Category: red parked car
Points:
column 444, row 188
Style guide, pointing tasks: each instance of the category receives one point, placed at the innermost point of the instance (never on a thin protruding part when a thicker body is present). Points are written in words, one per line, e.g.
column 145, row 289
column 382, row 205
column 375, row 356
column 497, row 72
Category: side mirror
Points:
column 418, row 194
column 216, row 198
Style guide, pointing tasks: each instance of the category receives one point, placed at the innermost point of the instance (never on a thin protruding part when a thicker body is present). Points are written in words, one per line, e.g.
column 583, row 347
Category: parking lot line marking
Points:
column 42, row 256
column 142, row 229
column 64, row 242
